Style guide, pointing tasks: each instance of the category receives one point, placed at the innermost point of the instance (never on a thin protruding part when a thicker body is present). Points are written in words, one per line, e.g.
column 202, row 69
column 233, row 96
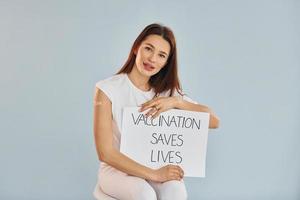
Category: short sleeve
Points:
column 106, row 88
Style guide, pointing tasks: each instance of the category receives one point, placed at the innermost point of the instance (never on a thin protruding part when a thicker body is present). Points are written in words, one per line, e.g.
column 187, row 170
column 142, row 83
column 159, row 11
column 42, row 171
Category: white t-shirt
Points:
column 122, row 93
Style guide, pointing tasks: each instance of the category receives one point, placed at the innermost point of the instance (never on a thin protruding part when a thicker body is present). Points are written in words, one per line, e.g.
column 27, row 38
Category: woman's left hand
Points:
column 158, row 105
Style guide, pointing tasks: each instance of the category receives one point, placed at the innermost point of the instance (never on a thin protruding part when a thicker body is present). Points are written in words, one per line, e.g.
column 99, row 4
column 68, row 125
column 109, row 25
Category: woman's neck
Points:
column 139, row 80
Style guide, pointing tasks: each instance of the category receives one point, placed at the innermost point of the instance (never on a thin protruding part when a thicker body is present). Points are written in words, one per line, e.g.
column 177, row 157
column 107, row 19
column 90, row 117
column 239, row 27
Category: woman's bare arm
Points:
column 161, row 104
column 108, row 154
column 214, row 120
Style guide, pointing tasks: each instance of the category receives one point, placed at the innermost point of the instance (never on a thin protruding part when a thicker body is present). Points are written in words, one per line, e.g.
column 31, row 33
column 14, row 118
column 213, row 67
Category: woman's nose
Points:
column 152, row 58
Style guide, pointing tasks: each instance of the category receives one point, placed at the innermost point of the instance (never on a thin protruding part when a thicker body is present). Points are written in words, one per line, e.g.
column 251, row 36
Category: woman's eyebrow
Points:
column 154, row 48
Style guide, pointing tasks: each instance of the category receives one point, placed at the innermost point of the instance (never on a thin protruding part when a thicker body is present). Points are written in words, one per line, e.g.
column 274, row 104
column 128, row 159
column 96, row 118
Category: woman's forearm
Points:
column 123, row 163
column 179, row 103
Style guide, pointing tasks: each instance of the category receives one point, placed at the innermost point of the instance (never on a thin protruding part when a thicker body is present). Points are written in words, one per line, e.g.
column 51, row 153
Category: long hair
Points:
column 167, row 78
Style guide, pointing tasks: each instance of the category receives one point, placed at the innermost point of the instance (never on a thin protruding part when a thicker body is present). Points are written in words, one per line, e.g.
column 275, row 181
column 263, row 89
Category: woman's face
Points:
column 152, row 55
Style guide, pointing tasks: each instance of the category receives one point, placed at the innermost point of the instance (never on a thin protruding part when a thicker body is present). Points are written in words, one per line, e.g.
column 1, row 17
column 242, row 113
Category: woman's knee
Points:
column 173, row 190
column 142, row 191
column 125, row 187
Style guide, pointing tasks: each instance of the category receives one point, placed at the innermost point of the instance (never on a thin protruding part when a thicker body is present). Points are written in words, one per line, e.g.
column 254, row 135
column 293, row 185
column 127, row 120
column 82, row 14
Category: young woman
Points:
column 148, row 79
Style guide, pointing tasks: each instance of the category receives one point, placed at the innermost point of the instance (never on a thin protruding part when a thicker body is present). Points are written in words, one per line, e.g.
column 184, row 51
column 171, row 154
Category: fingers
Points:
column 180, row 171
column 159, row 110
column 153, row 111
column 175, row 176
column 171, row 172
column 149, row 104
column 176, row 172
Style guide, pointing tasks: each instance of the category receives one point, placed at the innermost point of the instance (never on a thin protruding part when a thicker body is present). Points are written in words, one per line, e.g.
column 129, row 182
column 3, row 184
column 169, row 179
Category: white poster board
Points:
column 177, row 137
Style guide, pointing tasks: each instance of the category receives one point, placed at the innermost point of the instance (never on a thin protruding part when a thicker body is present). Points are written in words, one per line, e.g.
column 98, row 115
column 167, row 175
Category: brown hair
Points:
column 167, row 78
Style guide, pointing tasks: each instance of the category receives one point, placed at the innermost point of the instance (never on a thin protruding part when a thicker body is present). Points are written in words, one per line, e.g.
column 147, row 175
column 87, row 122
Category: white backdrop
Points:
column 241, row 58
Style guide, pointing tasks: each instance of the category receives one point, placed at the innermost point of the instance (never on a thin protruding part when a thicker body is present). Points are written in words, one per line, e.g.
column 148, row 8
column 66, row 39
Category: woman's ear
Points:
column 136, row 49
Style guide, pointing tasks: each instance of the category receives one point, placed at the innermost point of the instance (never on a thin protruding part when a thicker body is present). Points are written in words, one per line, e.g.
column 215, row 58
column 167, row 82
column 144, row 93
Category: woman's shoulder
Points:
column 112, row 81
column 112, row 85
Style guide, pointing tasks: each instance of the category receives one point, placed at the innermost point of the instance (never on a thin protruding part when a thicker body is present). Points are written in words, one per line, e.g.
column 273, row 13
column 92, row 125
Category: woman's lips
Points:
column 148, row 67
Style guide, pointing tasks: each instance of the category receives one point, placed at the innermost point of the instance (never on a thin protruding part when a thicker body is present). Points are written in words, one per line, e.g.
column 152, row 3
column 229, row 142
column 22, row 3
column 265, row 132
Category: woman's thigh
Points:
column 170, row 190
column 125, row 187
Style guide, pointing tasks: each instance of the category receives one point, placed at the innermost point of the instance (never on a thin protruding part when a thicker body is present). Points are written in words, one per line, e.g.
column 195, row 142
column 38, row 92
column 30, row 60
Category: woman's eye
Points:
column 147, row 48
column 161, row 55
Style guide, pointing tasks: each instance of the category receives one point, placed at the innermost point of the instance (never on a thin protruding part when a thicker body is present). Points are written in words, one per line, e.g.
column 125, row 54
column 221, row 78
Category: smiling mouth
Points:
column 148, row 67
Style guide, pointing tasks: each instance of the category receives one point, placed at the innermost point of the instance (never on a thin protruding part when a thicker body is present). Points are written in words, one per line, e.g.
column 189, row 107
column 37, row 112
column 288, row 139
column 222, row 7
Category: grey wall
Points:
column 241, row 58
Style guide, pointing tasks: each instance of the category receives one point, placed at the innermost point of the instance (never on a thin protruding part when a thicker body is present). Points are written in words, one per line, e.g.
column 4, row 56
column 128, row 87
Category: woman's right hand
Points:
column 167, row 173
